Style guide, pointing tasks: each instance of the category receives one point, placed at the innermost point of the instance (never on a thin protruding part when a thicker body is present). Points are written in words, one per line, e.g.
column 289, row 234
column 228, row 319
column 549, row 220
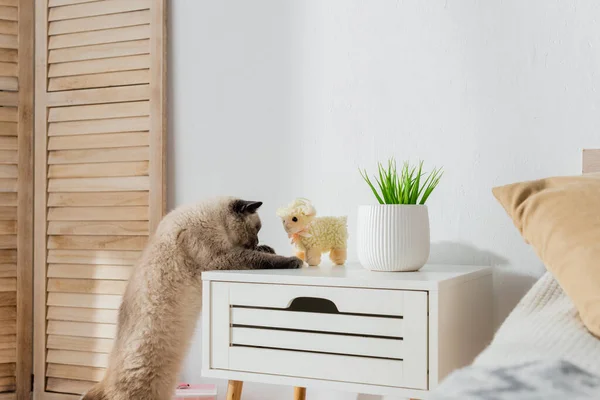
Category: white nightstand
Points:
column 388, row 333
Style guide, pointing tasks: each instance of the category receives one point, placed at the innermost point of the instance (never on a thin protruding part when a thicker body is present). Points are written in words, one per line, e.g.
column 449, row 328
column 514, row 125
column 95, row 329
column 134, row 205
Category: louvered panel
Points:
column 9, row 41
column 9, row 157
column 96, row 301
column 102, row 84
column 96, row 8
column 8, row 298
column 116, row 125
column 9, row 13
column 8, row 185
column 83, row 358
column 96, row 242
column 109, row 155
column 8, row 171
column 119, row 228
column 98, row 111
column 9, row 143
column 103, row 36
column 99, row 96
column 8, row 285
column 86, row 286
column 128, row 63
column 138, row 168
column 83, row 315
column 98, row 184
column 8, row 227
column 56, row 3
column 8, row 355
column 8, row 270
column 93, row 257
column 81, row 329
column 7, row 313
column 9, row 27
column 8, row 256
column 101, row 44
column 16, row 188
column 68, row 386
column 101, row 22
column 8, row 114
column 94, row 52
column 9, row 55
column 8, row 128
column 73, row 343
column 75, row 372
column 8, row 328
column 8, row 384
column 8, row 341
column 126, row 213
column 99, row 80
column 8, row 99
column 76, row 271
column 8, row 213
column 8, row 369
column 8, row 69
column 105, row 199
column 9, row 83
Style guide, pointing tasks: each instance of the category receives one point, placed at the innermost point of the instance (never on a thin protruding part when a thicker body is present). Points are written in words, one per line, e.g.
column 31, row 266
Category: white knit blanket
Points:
column 541, row 352
column 545, row 325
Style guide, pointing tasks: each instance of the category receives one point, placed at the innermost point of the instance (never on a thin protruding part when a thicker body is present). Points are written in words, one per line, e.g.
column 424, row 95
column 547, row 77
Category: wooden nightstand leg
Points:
column 299, row 393
column 234, row 390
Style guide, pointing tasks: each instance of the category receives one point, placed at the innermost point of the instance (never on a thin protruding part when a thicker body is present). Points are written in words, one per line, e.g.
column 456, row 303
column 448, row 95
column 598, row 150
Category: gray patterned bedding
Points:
column 541, row 352
column 538, row 380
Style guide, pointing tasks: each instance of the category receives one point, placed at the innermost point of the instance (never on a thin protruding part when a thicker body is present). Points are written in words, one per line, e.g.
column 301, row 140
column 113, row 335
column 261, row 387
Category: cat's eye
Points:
column 295, row 219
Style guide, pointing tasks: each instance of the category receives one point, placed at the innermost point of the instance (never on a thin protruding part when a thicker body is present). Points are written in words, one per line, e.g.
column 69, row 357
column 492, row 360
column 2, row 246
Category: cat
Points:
column 162, row 301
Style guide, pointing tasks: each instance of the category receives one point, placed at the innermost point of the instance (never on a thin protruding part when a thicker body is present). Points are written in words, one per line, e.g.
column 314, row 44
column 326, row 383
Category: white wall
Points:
column 275, row 99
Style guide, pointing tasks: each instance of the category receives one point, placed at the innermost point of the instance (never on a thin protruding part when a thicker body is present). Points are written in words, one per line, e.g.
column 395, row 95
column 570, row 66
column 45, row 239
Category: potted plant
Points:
column 394, row 235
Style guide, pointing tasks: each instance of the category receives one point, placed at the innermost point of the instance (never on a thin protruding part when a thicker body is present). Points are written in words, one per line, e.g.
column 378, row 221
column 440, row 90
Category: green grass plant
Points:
column 410, row 185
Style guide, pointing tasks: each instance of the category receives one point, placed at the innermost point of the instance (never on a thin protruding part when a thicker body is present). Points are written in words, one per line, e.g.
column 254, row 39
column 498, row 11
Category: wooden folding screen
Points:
column 16, row 190
column 591, row 160
column 99, row 161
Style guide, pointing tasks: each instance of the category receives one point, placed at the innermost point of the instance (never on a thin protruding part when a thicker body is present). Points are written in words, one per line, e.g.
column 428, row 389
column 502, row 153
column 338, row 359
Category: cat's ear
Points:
column 246, row 207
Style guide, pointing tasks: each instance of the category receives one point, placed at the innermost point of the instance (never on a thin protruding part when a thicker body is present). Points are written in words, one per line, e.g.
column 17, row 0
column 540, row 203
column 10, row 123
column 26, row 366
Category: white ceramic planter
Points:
column 393, row 237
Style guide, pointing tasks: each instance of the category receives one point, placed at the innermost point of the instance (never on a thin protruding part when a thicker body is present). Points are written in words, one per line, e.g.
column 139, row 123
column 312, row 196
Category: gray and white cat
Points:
column 163, row 297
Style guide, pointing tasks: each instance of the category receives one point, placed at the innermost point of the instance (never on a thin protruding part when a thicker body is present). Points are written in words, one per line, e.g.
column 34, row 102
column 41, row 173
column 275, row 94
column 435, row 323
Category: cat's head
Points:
column 243, row 223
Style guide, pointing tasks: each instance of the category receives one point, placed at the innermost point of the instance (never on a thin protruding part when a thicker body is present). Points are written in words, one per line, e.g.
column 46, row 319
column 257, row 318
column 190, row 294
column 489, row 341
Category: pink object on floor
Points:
column 193, row 392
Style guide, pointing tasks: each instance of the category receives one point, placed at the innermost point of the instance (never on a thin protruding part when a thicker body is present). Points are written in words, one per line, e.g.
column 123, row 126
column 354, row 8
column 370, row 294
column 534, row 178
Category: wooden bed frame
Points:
column 591, row 160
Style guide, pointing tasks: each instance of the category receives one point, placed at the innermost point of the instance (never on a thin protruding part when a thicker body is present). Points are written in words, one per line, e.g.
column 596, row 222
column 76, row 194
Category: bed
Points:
column 542, row 351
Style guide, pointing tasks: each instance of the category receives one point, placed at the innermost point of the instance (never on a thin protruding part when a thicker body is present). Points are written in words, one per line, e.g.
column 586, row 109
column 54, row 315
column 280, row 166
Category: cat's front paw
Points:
column 263, row 248
column 294, row 263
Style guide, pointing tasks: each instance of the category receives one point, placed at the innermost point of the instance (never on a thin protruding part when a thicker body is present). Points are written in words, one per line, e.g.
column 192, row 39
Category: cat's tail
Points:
column 95, row 393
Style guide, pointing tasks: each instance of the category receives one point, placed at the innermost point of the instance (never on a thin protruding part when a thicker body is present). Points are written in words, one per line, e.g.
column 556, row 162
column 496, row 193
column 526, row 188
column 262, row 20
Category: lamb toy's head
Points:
column 297, row 215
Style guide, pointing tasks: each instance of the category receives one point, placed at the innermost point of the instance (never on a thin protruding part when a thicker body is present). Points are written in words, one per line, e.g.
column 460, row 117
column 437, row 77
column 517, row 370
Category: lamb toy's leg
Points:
column 300, row 254
column 338, row 256
column 313, row 257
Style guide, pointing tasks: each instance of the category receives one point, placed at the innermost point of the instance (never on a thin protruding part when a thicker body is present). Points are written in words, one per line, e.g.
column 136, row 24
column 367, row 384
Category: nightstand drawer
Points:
column 366, row 336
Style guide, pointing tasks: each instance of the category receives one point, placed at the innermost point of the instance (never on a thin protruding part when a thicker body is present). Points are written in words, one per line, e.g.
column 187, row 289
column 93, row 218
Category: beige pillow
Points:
column 560, row 218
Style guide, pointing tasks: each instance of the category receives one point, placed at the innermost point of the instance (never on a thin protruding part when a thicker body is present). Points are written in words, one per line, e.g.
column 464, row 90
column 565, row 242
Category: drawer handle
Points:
column 314, row 305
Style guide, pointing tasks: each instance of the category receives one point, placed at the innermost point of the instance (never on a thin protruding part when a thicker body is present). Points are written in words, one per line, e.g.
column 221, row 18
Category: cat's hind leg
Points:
column 95, row 393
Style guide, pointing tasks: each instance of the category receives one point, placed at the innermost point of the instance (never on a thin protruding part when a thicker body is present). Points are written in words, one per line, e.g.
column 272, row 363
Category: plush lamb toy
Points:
column 313, row 236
